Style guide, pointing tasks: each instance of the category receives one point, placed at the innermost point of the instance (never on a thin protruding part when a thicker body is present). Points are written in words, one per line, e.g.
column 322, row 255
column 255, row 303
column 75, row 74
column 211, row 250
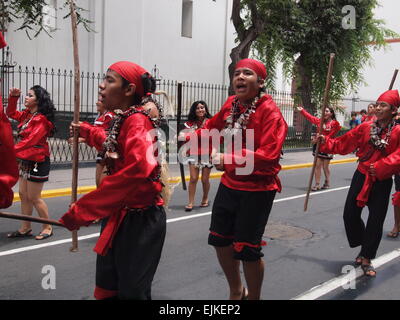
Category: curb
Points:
column 86, row 189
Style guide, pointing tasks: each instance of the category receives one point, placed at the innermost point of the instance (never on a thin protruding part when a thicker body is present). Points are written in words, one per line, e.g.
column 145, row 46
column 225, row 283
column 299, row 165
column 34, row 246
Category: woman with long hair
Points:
column 198, row 157
column 330, row 128
column 33, row 154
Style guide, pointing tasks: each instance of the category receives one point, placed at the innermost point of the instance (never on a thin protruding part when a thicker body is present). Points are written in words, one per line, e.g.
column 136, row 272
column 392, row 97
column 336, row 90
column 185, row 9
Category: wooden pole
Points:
column 396, row 71
column 178, row 122
column 75, row 149
column 321, row 123
column 17, row 216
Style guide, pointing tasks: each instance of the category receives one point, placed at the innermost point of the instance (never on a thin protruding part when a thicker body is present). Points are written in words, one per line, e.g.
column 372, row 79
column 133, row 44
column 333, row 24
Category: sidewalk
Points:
column 61, row 178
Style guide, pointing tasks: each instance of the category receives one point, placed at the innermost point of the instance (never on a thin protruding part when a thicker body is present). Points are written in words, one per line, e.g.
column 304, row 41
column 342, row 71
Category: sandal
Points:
column 392, row 234
column 358, row 260
column 43, row 235
column 204, row 204
column 188, row 208
column 368, row 269
column 325, row 186
column 316, row 187
column 19, row 234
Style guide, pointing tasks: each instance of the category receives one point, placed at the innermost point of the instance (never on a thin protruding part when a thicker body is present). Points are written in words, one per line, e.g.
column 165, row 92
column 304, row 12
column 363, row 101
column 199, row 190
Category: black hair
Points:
column 363, row 111
column 45, row 105
column 333, row 116
column 262, row 89
column 192, row 112
column 149, row 86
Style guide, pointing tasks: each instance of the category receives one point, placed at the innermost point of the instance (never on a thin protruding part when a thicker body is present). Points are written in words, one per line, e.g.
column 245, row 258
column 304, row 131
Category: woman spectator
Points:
column 197, row 119
column 330, row 128
column 33, row 154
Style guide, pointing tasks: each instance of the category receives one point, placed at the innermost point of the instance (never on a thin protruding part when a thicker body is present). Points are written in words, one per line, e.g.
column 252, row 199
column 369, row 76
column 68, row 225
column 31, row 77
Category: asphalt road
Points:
column 295, row 262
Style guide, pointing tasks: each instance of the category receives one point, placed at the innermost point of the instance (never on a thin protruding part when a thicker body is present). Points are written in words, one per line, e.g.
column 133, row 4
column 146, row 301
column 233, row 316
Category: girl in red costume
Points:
column 244, row 199
column 33, row 153
column 103, row 120
column 128, row 200
column 374, row 140
column 370, row 116
column 330, row 128
column 8, row 168
column 197, row 119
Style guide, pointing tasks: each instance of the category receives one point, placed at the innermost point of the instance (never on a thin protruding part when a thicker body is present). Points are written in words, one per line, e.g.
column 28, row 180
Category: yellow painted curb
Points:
column 86, row 189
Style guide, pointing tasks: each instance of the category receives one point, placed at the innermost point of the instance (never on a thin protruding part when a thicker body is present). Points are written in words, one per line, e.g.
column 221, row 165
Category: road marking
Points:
column 333, row 284
column 54, row 243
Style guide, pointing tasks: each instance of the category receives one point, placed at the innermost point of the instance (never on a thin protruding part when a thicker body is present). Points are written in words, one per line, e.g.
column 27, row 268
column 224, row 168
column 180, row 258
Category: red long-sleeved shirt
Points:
column 196, row 148
column 33, row 143
column 359, row 137
column 8, row 168
column 128, row 186
column 104, row 120
column 329, row 129
column 270, row 130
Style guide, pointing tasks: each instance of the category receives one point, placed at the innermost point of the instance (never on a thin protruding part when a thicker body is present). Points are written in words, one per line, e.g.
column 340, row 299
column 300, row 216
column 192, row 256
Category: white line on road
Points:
column 326, row 287
column 93, row 235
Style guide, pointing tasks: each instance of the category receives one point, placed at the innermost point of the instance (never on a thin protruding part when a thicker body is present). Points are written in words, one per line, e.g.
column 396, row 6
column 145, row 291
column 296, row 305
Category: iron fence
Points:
column 59, row 83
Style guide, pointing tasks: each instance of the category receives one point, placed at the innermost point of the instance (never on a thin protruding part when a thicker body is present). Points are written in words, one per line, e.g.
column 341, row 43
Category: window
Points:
column 187, row 18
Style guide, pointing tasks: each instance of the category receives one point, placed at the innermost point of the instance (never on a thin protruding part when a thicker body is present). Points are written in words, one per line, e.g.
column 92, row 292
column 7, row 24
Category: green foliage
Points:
column 30, row 12
column 303, row 33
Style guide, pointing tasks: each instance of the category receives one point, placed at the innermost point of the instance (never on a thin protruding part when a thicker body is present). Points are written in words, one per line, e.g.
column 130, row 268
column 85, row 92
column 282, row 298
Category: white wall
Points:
column 45, row 51
column 147, row 32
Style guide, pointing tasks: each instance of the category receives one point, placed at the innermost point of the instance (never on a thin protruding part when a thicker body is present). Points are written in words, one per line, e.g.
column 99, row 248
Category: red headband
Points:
column 3, row 42
column 255, row 65
column 391, row 97
column 131, row 72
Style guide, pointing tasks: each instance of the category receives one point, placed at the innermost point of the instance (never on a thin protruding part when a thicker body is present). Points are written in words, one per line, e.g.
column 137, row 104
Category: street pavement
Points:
column 305, row 249
column 61, row 178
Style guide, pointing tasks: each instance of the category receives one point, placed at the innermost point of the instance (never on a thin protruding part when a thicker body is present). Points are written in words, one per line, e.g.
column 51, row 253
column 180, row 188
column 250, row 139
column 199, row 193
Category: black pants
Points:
column 239, row 218
column 369, row 236
column 128, row 269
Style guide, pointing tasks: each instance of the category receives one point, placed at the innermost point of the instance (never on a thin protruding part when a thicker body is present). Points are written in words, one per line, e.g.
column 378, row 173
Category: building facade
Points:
column 187, row 39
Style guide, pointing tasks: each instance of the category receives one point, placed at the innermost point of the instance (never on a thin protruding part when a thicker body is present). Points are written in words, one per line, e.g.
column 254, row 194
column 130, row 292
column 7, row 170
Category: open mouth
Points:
column 240, row 87
column 100, row 97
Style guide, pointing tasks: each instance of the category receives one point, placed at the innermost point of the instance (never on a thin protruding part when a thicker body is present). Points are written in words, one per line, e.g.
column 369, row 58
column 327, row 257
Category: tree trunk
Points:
column 246, row 36
column 303, row 87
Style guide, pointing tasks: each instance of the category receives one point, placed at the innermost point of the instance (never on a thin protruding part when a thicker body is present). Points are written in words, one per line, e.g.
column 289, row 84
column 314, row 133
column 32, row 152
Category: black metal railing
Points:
column 59, row 83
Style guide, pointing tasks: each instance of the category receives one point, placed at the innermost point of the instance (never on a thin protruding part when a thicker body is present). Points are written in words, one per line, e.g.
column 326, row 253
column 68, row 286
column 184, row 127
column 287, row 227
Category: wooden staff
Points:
column 75, row 150
column 396, row 71
column 179, row 143
column 321, row 123
column 23, row 217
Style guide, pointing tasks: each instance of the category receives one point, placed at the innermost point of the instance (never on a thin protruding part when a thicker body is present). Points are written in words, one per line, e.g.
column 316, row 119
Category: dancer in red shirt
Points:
column 374, row 140
column 129, row 199
column 248, row 186
column 33, row 154
column 330, row 128
column 8, row 168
